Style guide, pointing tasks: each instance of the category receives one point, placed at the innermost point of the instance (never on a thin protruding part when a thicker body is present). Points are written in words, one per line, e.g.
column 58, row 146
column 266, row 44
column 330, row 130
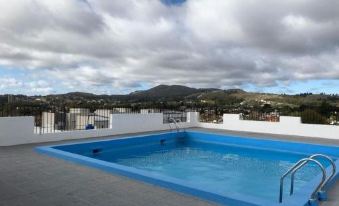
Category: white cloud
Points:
column 109, row 45
column 9, row 83
column 13, row 85
column 296, row 22
column 214, row 21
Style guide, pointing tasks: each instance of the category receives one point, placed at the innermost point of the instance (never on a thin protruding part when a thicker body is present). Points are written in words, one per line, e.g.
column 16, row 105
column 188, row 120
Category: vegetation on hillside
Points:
column 178, row 97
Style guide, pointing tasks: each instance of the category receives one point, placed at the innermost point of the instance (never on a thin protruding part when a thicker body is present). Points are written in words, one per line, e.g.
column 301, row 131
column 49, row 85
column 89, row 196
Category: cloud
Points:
column 12, row 85
column 109, row 46
column 9, row 83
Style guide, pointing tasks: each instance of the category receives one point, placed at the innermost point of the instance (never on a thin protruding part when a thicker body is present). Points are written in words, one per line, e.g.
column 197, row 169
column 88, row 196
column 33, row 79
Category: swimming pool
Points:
column 225, row 169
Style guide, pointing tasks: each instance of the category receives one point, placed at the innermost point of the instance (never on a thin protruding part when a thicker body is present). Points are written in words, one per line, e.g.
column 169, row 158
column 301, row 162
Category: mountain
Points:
column 169, row 91
column 177, row 95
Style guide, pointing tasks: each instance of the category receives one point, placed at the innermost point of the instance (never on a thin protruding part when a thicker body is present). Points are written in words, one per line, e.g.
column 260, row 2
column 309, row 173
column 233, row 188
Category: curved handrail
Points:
column 179, row 121
column 296, row 167
column 302, row 164
column 334, row 168
column 175, row 123
column 170, row 126
column 176, row 127
column 283, row 177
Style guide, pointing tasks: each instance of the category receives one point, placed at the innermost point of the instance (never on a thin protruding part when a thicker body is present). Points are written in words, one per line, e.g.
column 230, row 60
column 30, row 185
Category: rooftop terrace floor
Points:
column 28, row 178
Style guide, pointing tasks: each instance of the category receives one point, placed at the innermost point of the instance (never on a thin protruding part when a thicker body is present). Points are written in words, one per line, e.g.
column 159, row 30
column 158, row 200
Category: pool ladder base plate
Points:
column 313, row 202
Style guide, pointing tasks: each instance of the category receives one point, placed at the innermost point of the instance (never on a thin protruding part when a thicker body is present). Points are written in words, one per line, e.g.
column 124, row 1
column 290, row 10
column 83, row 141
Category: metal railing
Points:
column 60, row 119
column 168, row 115
column 52, row 119
column 295, row 167
column 176, row 124
column 312, row 116
column 211, row 116
column 260, row 116
column 72, row 119
column 301, row 163
column 172, row 120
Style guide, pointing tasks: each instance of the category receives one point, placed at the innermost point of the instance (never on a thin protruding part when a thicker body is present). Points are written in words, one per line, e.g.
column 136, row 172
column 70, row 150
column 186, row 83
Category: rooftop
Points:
column 28, row 178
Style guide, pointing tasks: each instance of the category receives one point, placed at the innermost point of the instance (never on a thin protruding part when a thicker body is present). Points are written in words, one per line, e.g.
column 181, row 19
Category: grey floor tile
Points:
column 20, row 201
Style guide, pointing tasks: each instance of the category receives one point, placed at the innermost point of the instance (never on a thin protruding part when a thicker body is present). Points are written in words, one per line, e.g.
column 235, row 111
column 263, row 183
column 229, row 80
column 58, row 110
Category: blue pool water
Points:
column 223, row 165
column 220, row 168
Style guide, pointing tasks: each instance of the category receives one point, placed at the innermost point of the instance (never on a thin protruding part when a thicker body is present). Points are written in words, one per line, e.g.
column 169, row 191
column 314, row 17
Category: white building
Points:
column 122, row 110
column 147, row 111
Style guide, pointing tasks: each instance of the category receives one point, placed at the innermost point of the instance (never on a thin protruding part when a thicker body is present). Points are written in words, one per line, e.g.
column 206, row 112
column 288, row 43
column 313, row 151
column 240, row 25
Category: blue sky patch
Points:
column 173, row 2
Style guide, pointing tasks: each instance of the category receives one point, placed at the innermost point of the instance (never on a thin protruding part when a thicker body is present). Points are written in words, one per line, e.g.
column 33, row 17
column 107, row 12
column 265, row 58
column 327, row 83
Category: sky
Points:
column 116, row 47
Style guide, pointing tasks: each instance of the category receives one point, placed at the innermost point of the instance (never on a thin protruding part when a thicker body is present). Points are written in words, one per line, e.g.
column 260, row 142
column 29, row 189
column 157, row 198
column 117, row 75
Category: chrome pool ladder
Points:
column 298, row 166
column 176, row 124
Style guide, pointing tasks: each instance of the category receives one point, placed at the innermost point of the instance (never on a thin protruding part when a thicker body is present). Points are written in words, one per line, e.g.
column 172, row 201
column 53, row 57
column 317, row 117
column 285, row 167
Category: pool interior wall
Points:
column 89, row 153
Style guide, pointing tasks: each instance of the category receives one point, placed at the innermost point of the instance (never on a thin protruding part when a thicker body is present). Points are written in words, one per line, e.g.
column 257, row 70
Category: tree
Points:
column 310, row 116
column 325, row 109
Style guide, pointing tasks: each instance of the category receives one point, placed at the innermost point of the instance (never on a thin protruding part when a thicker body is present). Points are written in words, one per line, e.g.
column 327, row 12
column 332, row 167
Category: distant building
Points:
column 77, row 118
column 81, row 121
column 47, row 120
column 82, row 111
column 122, row 110
column 51, row 121
column 102, row 118
column 103, row 112
column 147, row 111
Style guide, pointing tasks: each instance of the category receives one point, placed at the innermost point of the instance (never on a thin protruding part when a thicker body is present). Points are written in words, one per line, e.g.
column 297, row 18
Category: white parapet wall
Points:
column 16, row 130
column 286, row 126
column 132, row 123
column 20, row 130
